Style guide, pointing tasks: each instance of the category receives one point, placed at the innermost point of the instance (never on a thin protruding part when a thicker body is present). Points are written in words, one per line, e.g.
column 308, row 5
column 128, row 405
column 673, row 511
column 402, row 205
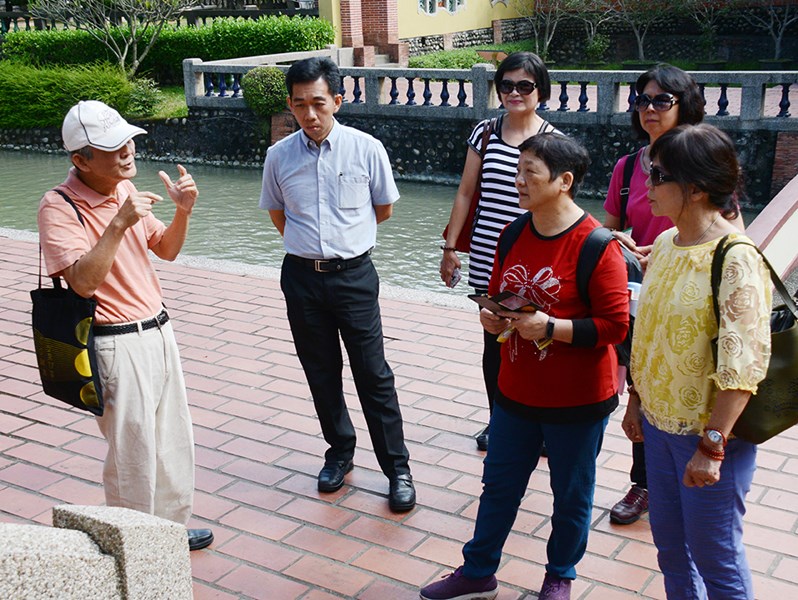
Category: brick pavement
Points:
column 259, row 449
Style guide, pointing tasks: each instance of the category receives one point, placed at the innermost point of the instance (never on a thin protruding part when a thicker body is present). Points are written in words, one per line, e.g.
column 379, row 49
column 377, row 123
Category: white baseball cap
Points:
column 93, row 123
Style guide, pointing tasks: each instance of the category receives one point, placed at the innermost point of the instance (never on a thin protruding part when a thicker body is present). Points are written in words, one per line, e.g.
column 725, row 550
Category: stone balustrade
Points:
column 748, row 100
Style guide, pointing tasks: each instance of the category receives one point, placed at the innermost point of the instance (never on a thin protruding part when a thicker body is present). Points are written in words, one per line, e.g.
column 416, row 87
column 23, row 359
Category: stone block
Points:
column 283, row 124
column 38, row 562
column 364, row 56
column 399, row 53
column 151, row 553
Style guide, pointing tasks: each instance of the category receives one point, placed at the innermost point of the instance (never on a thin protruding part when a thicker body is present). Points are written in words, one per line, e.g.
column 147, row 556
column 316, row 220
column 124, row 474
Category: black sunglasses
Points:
column 524, row 86
column 658, row 176
column 660, row 102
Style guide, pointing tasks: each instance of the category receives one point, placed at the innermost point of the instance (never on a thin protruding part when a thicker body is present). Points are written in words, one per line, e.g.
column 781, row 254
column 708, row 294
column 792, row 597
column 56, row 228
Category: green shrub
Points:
column 596, row 48
column 264, row 90
column 40, row 97
column 464, row 58
column 510, row 47
column 54, row 47
column 144, row 97
column 223, row 38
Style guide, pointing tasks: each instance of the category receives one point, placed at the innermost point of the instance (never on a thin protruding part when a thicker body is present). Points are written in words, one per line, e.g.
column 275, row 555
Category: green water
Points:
column 228, row 225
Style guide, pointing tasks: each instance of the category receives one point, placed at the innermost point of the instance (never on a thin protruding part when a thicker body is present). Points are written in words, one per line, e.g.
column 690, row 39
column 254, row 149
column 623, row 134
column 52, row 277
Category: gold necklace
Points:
column 706, row 231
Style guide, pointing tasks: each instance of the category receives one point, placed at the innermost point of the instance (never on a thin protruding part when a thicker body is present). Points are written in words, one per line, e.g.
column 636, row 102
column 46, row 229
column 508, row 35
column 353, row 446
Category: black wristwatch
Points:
column 550, row 328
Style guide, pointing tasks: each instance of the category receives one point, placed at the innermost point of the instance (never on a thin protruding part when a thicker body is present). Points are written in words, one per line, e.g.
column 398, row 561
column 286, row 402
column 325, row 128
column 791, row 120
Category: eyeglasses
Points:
column 660, row 102
column 524, row 87
column 658, row 176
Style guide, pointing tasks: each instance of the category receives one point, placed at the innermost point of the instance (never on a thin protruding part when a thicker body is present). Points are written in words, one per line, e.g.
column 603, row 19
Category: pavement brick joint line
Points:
column 259, row 449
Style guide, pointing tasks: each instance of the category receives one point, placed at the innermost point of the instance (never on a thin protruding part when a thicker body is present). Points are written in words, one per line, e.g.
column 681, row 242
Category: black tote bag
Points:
column 774, row 408
column 64, row 342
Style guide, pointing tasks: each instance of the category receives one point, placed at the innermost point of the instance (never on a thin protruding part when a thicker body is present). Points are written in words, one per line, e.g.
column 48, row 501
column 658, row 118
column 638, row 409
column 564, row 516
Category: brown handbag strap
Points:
column 483, row 148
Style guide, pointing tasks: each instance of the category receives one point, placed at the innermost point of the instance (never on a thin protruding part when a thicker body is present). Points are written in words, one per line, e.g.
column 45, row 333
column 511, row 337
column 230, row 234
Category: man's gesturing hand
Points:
column 183, row 191
column 137, row 206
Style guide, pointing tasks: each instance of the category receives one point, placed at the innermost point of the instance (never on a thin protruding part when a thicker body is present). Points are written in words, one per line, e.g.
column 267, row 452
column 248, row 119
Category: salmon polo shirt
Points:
column 131, row 291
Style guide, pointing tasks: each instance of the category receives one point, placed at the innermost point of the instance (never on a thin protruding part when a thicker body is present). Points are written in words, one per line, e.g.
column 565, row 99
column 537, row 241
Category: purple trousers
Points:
column 699, row 531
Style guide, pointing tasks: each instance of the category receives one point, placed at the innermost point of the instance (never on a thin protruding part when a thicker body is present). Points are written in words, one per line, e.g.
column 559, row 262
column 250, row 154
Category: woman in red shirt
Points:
column 557, row 382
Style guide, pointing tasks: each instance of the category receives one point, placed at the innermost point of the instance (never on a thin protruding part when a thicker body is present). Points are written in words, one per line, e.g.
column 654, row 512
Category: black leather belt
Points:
column 158, row 321
column 332, row 265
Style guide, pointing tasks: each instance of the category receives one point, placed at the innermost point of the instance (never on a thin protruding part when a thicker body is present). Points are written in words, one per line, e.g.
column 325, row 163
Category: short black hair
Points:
column 703, row 156
column 533, row 65
column 677, row 82
column 560, row 154
column 311, row 69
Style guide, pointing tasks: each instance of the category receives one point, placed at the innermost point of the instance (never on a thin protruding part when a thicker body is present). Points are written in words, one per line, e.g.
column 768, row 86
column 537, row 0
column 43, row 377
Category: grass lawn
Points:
column 172, row 103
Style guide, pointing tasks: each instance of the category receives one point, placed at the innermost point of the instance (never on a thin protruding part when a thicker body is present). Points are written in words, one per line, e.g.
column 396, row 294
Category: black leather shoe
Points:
column 331, row 477
column 402, row 494
column 482, row 439
column 199, row 538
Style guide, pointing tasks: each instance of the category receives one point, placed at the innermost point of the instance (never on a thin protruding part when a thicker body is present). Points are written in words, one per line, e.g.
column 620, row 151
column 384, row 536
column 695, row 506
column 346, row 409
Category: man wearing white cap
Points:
column 104, row 255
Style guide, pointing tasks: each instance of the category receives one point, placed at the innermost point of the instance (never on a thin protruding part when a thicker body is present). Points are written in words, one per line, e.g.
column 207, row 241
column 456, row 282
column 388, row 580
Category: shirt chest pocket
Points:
column 353, row 191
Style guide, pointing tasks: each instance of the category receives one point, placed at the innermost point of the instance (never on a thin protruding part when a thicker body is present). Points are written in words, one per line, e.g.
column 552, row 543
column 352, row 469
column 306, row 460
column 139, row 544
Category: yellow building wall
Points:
column 330, row 10
column 476, row 14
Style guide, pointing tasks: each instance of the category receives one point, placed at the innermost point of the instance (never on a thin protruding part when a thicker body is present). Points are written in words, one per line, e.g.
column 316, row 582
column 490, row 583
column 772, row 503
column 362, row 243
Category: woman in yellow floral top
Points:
column 683, row 402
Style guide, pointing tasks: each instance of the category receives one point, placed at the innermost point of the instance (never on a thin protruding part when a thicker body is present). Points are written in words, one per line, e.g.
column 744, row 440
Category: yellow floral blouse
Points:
column 672, row 364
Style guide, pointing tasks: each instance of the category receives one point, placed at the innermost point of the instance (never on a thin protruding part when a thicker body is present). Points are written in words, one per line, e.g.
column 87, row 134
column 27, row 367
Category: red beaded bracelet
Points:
column 710, row 452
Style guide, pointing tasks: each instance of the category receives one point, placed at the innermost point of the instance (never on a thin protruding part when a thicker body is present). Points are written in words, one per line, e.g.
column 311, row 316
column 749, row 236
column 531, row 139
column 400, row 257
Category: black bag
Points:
column 774, row 407
column 64, row 343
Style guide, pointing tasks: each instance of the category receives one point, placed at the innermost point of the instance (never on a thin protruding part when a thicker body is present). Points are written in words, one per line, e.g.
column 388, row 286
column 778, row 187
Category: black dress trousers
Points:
column 322, row 306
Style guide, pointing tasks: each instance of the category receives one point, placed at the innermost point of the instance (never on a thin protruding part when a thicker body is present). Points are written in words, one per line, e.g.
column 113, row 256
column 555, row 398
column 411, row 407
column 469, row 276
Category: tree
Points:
column 593, row 14
column 774, row 16
column 707, row 13
column 144, row 20
column 544, row 16
column 640, row 15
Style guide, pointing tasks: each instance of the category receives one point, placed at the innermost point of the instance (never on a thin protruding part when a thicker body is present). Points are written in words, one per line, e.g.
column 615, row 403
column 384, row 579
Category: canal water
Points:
column 227, row 224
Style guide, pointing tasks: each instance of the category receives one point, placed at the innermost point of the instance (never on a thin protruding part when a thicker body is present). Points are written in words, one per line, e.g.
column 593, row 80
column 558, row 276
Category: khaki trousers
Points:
column 150, row 461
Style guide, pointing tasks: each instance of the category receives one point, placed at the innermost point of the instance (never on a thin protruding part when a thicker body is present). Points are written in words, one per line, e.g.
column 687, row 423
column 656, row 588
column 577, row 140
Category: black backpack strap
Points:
column 628, row 169
column 510, row 234
column 589, row 255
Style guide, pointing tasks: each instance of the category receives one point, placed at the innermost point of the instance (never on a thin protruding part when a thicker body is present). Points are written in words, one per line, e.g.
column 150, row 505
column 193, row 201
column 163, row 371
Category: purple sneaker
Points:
column 555, row 588
column 457, row 586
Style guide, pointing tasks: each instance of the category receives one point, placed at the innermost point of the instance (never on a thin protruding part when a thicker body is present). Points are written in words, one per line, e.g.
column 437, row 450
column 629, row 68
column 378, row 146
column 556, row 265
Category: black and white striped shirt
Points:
column 498, row 203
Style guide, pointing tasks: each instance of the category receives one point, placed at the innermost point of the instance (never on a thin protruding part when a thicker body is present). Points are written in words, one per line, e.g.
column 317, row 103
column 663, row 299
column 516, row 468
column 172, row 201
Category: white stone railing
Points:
column 744, row 100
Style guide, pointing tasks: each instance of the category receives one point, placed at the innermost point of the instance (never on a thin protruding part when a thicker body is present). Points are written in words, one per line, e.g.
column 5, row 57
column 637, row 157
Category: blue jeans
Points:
column 513, row 453
column 699, row 531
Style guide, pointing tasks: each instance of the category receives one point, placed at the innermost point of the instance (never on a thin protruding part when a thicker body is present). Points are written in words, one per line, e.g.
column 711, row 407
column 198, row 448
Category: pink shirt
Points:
column 131, row 291
column 645, row 226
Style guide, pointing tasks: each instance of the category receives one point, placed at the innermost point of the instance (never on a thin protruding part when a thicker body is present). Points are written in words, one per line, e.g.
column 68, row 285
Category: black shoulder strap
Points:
column 628, row 169
column 57, row 280
column 71, row 203
column 589, row 255
column 510, row 234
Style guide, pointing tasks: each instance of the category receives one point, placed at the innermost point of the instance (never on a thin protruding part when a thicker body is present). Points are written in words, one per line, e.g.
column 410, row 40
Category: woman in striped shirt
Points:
column 522, row 82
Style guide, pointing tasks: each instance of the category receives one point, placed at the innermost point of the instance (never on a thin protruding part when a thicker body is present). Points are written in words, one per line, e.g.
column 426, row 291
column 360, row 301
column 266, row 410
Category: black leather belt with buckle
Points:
column 332, row 265
column 158, row 321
